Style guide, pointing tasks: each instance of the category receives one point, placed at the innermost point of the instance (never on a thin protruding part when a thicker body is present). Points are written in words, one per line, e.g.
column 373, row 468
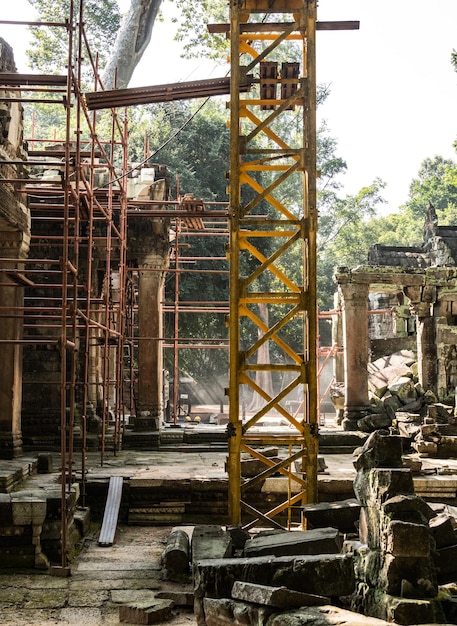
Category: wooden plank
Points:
column 113, row 502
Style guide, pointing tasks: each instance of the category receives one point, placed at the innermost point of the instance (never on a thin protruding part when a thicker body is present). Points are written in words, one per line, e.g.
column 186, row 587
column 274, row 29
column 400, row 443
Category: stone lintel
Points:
column 315, row 541
column 279, row 597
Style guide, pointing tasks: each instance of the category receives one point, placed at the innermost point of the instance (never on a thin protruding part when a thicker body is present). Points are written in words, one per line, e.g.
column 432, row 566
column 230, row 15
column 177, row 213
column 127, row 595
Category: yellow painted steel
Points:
column 273, row 311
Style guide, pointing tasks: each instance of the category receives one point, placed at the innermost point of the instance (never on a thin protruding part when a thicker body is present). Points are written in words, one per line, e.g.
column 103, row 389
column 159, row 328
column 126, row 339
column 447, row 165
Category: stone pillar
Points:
column 356, row 351
column 150, row 362
column 337, row 340
column 14, row 245
column 421, row 305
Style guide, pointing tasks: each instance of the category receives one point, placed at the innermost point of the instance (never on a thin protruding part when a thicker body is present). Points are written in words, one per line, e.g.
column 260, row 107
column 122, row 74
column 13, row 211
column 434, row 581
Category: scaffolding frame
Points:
column 74, row 225
column 258, row 172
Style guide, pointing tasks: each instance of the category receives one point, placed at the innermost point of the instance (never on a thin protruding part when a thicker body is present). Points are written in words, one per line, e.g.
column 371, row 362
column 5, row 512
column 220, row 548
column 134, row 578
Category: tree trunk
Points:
column 132, row 40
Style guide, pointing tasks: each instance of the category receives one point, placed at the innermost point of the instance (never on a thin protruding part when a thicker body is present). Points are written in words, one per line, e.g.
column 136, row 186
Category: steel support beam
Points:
column 273, row 315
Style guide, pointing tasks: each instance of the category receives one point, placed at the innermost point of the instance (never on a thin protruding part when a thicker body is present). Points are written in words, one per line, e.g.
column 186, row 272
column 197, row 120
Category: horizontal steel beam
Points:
column 279, row 27
column 161, row 93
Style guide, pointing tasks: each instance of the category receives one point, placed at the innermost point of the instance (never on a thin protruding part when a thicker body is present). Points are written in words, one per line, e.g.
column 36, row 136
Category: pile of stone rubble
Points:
column 385, row 556
column 401, row 405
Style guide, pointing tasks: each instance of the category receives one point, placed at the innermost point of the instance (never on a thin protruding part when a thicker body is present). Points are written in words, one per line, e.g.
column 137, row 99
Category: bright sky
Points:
column 393, row 98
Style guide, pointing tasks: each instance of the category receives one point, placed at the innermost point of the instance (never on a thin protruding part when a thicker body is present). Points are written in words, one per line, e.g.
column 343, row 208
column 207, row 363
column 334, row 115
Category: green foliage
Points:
column 48, row 52
column 193, row 32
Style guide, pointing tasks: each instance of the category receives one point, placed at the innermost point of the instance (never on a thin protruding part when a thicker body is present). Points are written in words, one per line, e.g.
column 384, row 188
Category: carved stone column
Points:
column 421, row 305
column 150, row 361
column 149, row 249
column 356, row 351
column 337, row 341
column 14, row 245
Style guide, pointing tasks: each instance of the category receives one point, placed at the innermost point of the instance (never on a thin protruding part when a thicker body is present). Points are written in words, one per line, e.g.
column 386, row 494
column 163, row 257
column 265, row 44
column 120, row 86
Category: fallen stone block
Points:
column 342, row 514
column 407, row 539
column 179, row 598
column 414, row 611
column 397, row 610
column 425, row 447
column 279, row 597
column 324, row 616
column 374, row 421
column 308, row 574
column 148, row 612
column 418, row 572
column 45, row 464
column 315, row 541
column 404, row 389
column 443, row 531
column 374, row 487
column 238, row 535
column 176, row 554
column 227, row 612
column 446, row 564
column 380, row 450
column 408, row 507
column 210, row 542
column 254, row 467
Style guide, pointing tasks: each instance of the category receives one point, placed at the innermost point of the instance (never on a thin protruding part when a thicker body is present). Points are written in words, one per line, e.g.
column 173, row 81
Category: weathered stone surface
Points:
column 398, row 610
column 414, row 611
column 179, row 598
column 28, row 509
column 386, row 573
column 418, row 572
column 342, row 514
column 308, row 574
column 210, row 542
column 146, row 612
column 238, row 536
column 323, row 616
column 446, row 564
column 176, row 554
column 224, row 611
column 408, row 507
column 253, row 467
column 379, row 485
column 443, row 531
column 404, row 389
column 373, row 422
column 408, row 539
column 380, row 450
column 316, row 541
column 391, row 404
column 279, row 597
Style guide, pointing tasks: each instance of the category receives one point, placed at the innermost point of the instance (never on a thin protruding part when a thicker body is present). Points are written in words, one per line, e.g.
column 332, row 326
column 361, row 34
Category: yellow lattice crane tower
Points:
column 273, row 316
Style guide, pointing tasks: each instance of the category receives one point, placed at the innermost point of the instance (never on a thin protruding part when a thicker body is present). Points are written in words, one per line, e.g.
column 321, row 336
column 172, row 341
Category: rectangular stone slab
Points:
column 315, row 541
column 279, row 597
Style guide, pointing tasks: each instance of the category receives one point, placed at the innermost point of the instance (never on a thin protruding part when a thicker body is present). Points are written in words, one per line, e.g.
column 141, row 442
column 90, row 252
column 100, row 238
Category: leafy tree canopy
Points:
column 48, row 51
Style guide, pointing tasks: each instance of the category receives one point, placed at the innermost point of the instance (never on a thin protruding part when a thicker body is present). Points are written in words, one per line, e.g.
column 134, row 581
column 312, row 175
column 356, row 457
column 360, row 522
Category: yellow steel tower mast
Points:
column 273, row 317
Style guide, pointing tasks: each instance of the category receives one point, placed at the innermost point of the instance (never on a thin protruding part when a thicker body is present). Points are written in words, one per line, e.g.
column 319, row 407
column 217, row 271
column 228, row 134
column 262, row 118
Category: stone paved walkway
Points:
column 102, row 578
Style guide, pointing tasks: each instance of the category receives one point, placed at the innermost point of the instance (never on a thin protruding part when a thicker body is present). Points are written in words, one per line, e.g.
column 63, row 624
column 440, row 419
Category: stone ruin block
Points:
column 342, row 514
column 210, row 542
column 397, row 610
column 278, row 597
column 405, row 539
column 306, row 574
column 316, row 541
column 374, row 487
column 380, row 450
